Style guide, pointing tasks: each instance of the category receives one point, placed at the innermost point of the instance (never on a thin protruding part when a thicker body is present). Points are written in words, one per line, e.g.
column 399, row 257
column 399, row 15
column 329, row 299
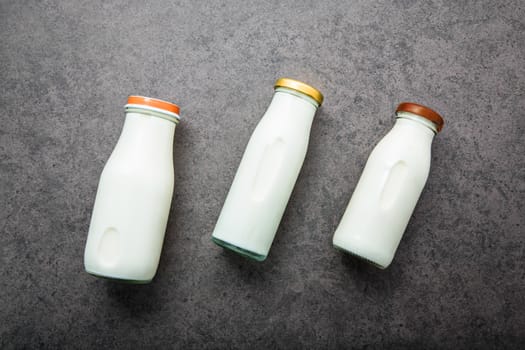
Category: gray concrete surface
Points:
column 458, row 280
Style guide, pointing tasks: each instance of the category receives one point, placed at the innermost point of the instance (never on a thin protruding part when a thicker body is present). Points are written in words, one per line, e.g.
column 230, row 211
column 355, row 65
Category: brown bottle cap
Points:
column 422, row 111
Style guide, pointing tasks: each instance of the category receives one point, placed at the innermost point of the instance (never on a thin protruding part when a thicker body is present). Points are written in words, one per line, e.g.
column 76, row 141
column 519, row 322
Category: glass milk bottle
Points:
column 389, row 187
column 268, row 171
column 134, row 195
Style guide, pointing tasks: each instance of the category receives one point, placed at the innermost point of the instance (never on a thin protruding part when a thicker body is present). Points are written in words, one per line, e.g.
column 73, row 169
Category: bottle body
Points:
column 133, row 202
column 266, row 176
column 387, row 192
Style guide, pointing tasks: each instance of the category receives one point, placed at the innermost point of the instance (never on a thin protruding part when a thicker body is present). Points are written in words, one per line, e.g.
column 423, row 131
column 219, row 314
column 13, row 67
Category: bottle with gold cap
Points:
column 134, row 195
column 389, row 187
column 268, row 171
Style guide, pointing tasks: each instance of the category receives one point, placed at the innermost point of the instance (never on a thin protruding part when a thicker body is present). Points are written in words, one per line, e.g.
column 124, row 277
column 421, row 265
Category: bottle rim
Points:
column 154, row 102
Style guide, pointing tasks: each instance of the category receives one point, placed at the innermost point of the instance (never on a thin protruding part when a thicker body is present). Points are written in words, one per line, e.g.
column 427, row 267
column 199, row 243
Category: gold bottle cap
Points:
column 301, row 87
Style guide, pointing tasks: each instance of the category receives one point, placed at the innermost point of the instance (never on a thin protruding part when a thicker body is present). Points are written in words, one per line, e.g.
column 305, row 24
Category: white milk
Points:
column 388, row 190
column 134, row 196
column 268, row 171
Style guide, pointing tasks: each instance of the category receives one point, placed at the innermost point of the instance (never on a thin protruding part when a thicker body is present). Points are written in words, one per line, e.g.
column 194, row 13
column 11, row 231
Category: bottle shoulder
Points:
column 401, row 147
column 284, row 126
column 122, row 164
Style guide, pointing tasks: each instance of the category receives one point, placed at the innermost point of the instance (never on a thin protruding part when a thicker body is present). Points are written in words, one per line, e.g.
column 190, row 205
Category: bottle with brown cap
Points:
column 268, row 171
column 134, row 195
column 389, row 187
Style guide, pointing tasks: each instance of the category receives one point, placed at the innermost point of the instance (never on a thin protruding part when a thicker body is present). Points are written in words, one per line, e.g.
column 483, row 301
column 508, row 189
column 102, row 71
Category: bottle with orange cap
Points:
column 268, row 171
column 389, row 187
column 134, row 194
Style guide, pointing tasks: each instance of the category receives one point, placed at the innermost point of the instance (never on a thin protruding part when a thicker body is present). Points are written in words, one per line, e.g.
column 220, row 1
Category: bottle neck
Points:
column 288, row 110
column 144, row 130
column 153, row 112
column 407, row 119
column 297, row 94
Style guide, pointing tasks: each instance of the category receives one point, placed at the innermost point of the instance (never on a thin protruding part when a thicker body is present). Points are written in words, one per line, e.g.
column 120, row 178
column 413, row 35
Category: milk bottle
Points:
column 268, row 171
column 389, row 187
column 134, row 195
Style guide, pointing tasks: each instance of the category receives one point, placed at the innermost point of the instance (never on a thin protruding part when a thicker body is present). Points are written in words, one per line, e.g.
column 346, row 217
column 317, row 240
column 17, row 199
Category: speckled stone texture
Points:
column 458, row 279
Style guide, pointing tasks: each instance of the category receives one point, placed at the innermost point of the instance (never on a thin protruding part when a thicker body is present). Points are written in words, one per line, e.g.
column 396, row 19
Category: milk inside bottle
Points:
column 389, row 187
column 268, row 171
column 134, row 195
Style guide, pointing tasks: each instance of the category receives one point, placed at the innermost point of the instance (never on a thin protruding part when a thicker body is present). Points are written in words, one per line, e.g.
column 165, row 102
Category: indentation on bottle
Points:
column 269, row 166
column 109, row 247
column 393, row 185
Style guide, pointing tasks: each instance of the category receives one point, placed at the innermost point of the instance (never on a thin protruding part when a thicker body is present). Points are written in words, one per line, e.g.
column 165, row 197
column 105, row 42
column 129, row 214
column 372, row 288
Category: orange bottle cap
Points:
column 153, row 102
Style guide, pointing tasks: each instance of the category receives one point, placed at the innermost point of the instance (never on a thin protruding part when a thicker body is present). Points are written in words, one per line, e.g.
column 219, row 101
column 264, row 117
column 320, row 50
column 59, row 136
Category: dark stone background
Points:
column 458, row 280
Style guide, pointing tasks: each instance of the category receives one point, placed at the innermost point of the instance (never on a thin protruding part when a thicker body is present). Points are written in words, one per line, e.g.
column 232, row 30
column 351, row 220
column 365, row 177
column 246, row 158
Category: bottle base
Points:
column 373, row 263
column 118, row 279
column 239, row 250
